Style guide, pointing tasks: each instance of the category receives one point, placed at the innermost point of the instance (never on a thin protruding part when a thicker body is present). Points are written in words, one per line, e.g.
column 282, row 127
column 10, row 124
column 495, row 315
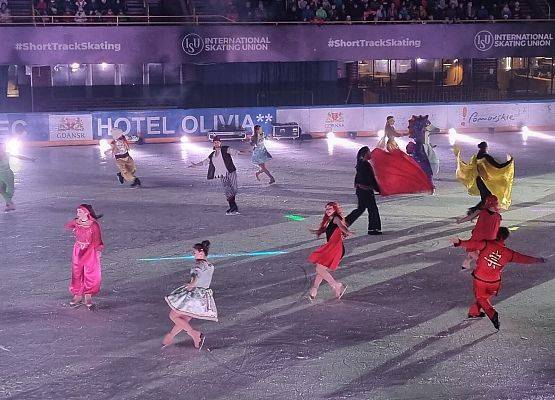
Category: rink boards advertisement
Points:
column 169, row 125
column 82, row 128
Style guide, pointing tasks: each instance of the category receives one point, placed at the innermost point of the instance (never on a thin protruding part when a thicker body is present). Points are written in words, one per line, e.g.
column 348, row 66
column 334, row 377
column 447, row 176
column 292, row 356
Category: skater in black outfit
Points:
column 366, row 185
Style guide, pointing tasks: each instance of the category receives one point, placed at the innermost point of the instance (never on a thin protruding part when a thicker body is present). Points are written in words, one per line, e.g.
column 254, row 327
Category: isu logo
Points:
column 68, row 124
column 334, row 120
column 192, row 44
column 483, row 40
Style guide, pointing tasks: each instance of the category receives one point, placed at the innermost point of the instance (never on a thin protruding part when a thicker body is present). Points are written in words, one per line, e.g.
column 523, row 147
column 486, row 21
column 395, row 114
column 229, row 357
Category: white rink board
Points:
column 471, row 117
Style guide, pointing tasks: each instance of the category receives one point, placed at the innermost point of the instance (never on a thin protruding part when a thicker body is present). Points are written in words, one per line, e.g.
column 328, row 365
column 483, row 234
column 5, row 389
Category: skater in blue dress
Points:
column 260, row 156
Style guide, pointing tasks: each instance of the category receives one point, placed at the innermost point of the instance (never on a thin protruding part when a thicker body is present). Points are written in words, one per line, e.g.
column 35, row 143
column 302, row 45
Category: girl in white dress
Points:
column 193, row 300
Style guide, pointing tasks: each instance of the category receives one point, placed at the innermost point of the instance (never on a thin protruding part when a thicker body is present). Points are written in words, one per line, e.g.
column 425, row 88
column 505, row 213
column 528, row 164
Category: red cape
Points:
column 397, row 173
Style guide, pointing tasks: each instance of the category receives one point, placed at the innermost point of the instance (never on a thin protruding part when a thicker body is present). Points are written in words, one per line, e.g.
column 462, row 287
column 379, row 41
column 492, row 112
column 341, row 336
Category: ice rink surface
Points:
column 400, row 332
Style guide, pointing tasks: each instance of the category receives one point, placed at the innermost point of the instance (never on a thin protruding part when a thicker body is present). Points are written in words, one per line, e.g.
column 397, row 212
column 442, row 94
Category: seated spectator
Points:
column 92, row 8
column 103, row 7
column 308, row 14
column 470, row 11
column 80, row 15
column 118, row 7
column 52, row 8
column 5, row 14
column 321, row 14
column 482, row 13
column 451, row 12
column 302, row 4
column 41, row 7
column 506, row 12
column 293, row 13
column 260, row 13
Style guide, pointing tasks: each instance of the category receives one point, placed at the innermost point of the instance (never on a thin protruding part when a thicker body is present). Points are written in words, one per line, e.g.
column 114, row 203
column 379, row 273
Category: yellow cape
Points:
column 499, row 181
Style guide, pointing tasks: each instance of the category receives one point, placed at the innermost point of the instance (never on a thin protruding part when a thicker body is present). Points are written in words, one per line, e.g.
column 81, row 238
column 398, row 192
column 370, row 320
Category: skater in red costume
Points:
column 487, row 225
column 328, row 256
column 395, row 171
column 493, row 256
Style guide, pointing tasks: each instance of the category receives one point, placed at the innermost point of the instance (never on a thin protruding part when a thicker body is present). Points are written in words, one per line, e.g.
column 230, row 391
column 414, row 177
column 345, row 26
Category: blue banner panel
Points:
column 83, row 126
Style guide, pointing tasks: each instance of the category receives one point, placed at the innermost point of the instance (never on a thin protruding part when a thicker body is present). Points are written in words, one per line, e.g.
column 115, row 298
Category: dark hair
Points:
column 255, row 135
column 503, row 233
column 362, row 153
column 203, row 246
column 89, row 208
column 482, row 145
column 216, row 138
column 389, row 117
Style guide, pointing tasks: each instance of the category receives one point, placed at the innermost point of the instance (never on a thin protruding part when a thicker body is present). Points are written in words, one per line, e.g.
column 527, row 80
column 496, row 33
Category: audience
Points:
column 79, row 10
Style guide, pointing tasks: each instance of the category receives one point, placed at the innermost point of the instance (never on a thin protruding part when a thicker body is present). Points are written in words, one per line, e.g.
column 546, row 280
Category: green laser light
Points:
column 294, row 217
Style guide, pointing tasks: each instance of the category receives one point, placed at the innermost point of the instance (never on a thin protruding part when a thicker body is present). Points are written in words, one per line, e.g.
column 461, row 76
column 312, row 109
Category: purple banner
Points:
column 249, row 43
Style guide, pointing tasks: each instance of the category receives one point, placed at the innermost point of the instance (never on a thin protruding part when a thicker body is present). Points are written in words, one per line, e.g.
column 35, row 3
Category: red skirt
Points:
column 397, row 173
column 330, row 254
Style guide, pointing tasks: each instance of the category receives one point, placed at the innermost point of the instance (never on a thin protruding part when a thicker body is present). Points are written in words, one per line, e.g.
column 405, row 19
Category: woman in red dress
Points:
column 397, row 172
column 327, row 257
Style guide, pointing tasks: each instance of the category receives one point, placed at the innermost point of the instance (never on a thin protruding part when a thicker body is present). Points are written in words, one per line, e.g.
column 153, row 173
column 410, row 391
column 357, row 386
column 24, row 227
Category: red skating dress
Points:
column 330, row 254
column 397, row 173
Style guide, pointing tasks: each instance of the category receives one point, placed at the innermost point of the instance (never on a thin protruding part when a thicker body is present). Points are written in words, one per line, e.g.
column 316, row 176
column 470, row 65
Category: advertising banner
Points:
column 251, row 43
column 471, row 116
column 71, row 127
column 42, row 127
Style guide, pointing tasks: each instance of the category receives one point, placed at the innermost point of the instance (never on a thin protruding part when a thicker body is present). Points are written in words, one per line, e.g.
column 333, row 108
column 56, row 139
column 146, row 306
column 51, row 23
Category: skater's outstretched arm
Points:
column 23, row 157
column 206, row 161
column 520, row 258
column 341, row 225
column 469, row 245
column 469, row 217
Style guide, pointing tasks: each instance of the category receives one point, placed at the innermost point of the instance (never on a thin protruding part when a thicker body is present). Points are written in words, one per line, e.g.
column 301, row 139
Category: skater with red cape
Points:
column 397, row 172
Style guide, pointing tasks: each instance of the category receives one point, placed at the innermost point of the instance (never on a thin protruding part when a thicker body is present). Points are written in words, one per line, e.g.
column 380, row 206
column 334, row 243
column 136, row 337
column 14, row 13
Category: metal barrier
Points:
column 91, row 20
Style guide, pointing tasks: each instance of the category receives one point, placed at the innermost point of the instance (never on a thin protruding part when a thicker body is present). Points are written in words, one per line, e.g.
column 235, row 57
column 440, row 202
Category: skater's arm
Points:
column 70, row 225
column 496, row 164
column 193, row 283
column 22, row 157
column 469, row 245
column 341, row 225
column 520, row 258
column 96, row 240
column 468, row 217
column 206, row 161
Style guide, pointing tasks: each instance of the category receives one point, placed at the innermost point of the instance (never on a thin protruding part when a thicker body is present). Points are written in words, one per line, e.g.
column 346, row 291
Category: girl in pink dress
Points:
column 85, row 269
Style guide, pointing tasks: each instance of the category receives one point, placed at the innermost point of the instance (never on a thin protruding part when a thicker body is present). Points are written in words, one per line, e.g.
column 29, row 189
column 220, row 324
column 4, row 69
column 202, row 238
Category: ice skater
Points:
column 85, row 271
column 193, row 300
column 487, row 225
column 124, row 161
column 7, row 186
column 260, row 156
column 395, row 171
column 327, row 257
column 484, row 176
column 366, row 185
column 492, row 258
column 220, row 165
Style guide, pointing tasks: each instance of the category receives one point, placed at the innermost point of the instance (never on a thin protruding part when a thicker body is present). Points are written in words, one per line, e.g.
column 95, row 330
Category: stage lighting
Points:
column 330, row 135
column 525, row 133
column 419, row 60
column 184, row 139
column 452, row 136
column 104, row 145
column 12, row 146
